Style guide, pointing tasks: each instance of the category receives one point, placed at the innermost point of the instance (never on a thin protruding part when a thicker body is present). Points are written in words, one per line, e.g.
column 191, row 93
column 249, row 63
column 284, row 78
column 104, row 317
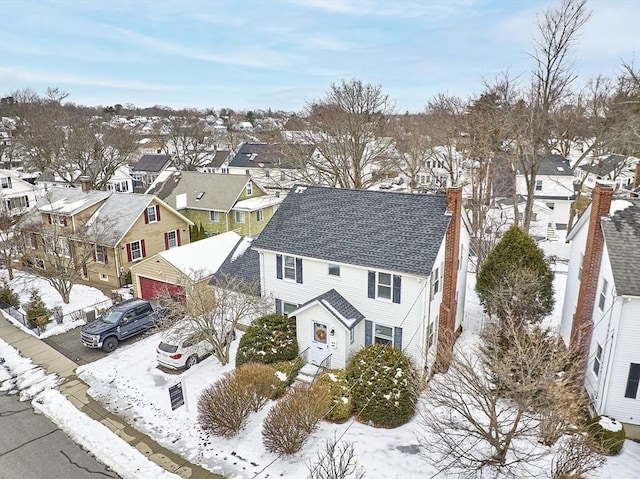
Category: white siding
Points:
column 352, row 285
column 573, row 283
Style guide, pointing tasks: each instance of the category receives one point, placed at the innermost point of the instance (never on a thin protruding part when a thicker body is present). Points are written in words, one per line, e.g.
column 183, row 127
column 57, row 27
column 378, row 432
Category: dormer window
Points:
column 57, row 220
column 152, row 214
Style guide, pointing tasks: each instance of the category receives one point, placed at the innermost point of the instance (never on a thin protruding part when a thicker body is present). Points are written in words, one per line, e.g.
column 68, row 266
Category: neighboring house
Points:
column 147, row 146
column 438, row 168
column 502, row 215
column 601, row 310
column 554, row 187
column 220, row 203
column 146, row 169
column 357, row 267
column 243, row 126
column 171, row 270
column 273, row 166
column 121, row 180
column 18, row 196
column 122, row 229
column 219, row 162
column 617, row 169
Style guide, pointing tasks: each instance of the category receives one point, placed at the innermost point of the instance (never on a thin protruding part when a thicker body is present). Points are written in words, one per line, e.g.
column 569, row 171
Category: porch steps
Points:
column 308, row 373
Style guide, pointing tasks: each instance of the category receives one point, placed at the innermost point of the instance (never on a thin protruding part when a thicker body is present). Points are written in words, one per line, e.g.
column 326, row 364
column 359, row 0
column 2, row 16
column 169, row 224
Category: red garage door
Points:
column 150, row 288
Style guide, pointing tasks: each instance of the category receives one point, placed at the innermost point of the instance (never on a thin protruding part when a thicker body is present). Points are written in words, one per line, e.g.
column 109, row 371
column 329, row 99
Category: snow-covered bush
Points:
column 608, row 434
column 269, row 339
column 288, row 370
column 295, row 416
column 341, row 403
column 384, row 385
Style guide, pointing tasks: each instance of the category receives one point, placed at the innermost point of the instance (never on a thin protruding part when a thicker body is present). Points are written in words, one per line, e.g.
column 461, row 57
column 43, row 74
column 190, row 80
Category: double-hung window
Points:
column 171, row 239
column 135, row 250
column 249, row 189
column 603, row 294
column 383, row 334
column 239, row 216
column 259, row 215
column 597, row 360
column 289, row 268
column 101, row 254
column 383, row 286
column 538, row 185
column 214, row 216
column 633, row 379
column 152, row 214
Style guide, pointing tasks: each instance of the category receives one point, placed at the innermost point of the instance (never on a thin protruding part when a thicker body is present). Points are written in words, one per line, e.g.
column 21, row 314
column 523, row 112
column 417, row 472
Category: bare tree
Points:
column 189, row 142
column 337, row 460
column 10, row 241
column 348, row 129
column 535, row 130
column 412, row 145
column 213, row 311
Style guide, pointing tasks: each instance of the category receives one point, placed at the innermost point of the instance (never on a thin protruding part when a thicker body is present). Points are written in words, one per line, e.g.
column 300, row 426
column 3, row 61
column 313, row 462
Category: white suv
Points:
column 182, row 347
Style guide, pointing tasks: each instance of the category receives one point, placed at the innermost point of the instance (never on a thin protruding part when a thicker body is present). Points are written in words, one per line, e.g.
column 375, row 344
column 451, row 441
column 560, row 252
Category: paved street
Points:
column 32, row 447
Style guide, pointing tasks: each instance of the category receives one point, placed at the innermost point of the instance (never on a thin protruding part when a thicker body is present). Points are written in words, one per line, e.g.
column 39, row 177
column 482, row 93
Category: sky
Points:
column 283, row 54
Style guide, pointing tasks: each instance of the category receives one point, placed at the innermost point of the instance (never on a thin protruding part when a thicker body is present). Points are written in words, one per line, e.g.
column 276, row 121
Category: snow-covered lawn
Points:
column 81, row 297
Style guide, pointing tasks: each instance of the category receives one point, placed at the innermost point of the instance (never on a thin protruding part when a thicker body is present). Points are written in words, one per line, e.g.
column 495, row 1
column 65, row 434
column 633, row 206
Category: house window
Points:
column 135, row 250
column 104, row 277
column 267, row 173
column 101, row 254
column 435, row 282
column 581, row 266
column 249, row 189
column 288, row 308
column 259, row 215
column 58, row 246
column 239, row 216
column 214, row 216
column 172, row 239
column 633, row 379
column 6, row 182
column 383, row 334
column 152, row 215
column 38, row 263
column 225, row 171
column 551, row 206
column 597, row 360
column 431, row 333
column 58, row 220
column 538, row 185
column 247, row 172
column 603, row 294
column 334, row 270
column 289, row 268
column 352, row 335
column 18, row 202
column 383, row 286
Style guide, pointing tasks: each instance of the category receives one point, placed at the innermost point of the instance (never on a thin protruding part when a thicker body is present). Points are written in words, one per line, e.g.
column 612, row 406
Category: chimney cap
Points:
column 85, row 181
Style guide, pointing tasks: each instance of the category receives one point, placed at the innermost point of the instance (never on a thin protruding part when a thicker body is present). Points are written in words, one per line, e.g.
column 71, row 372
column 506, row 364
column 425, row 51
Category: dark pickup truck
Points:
column 119, row 322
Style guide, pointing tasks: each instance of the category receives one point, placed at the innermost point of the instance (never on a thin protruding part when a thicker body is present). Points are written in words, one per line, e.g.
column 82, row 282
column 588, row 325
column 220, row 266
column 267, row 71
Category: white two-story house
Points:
column 554, row 187
column 601, row 310
column 17, row 195
column 357, row 267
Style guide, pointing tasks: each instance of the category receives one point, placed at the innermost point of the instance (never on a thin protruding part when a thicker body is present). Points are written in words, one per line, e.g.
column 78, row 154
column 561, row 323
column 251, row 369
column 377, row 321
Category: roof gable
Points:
column 334, row 303
column 152, row 163
column 399, row 232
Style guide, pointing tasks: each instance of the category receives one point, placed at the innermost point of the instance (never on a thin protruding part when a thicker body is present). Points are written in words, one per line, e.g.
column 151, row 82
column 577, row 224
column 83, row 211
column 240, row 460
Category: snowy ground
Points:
column 81, row 297
column 128, row 383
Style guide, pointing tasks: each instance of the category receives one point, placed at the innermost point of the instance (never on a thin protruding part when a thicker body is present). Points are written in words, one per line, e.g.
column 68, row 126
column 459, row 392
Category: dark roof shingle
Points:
column 622, row 237
column 374, row 229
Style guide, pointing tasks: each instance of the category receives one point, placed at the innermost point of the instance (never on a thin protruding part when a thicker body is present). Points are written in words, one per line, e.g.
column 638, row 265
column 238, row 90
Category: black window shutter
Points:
column 278, row 306
column 371, row 290
column 298, row 270
column 368, row 332
column 397, row 338
column 397, row 280
column 632, row 381
column 279, row 266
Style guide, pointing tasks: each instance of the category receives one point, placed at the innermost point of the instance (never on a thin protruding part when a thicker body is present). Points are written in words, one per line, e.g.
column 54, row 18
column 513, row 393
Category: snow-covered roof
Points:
column 202, row 258
column 69, row 201
column 257, row 203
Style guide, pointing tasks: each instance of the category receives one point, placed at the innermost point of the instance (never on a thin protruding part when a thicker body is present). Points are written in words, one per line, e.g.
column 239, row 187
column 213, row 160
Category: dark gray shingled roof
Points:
column 244, row 266
column 250, row 155
column 374, row 229
column 555, row 165
column 622, row 236
column 347, row 313
column 154, row 163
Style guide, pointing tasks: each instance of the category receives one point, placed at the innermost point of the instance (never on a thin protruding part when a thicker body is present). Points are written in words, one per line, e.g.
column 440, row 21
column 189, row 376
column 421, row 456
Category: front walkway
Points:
column 75, row 391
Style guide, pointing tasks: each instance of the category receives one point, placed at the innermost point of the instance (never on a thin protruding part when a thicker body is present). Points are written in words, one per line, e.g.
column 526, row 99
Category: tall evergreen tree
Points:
column 515, row 282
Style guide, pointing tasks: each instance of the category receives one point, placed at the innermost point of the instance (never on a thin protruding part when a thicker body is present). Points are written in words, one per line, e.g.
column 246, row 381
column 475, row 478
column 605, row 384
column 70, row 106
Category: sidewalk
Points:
column 75, row 391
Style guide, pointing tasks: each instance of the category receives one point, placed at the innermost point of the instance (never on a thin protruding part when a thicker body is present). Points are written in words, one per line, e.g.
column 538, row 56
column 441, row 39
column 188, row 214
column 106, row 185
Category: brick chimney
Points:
column 636, row 178
column 85, row 181
column 582, row 318
column 447, row 314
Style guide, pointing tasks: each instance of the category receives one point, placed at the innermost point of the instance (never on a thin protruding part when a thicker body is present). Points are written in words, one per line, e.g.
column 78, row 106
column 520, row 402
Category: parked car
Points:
column 119, row 322
column 182, row 347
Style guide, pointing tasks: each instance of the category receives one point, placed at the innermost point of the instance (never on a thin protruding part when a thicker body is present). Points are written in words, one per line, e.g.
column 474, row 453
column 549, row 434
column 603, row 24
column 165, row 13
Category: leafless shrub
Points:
column 260, row 382
column 335, row 461
column 577, row 457
column 224, row 407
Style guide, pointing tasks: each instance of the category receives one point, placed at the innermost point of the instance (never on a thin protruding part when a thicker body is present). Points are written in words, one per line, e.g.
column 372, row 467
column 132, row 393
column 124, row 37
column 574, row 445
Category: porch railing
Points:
column 305, row 356
column 325, row 363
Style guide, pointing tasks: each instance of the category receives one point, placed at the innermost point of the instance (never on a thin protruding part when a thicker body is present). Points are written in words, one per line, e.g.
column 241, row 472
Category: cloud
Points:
column 48, row 77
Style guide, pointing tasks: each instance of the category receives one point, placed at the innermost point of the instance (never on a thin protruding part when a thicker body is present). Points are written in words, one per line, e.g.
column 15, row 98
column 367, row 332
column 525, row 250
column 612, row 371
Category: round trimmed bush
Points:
column 269, row 339
column 288, row 370
column 608, row 434
column 384, row 385
column 338, row 386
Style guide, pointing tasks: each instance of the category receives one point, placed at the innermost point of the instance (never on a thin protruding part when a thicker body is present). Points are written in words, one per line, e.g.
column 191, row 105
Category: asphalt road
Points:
column 32, row 447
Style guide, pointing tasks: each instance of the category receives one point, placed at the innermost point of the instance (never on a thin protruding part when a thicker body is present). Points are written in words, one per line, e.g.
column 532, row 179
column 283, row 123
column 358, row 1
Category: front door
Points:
column 319, row 343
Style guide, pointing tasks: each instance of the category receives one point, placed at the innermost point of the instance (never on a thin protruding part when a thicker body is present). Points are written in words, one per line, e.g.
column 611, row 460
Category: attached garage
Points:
column 150, row 288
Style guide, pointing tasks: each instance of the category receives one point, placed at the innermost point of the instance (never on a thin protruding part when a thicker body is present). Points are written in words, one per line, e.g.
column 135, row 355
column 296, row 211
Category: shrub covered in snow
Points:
column 341, row 403
column 288, row 370
column 269, row 339
column 295, row 416
column 384, row 385
column 608, row 434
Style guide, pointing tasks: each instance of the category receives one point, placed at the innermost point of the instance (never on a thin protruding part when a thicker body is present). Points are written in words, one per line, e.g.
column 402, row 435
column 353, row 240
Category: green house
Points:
column 218, row 202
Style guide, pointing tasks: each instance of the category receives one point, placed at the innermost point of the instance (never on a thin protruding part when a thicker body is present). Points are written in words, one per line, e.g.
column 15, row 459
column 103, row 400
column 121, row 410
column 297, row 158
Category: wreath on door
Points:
column 321, row 334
